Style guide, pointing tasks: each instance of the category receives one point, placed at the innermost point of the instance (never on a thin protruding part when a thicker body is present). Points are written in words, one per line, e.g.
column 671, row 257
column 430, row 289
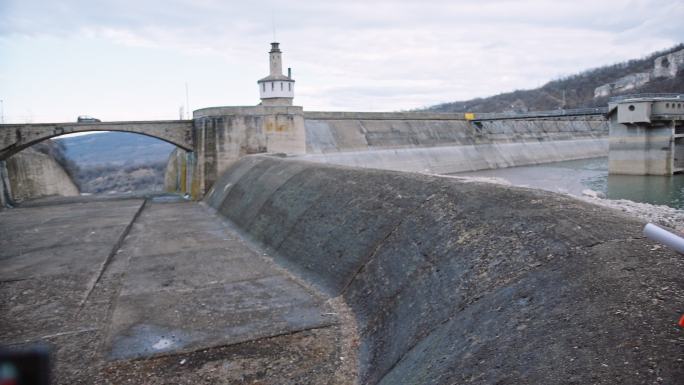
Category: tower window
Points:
column 272, row 86
column 281, row 86
column 289, row 86
column 263, row 87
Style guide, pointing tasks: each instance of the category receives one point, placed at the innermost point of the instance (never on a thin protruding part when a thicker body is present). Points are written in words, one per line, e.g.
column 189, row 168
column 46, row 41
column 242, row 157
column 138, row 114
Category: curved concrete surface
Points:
column 455, row 282
column 448, row 144
column 453, row 159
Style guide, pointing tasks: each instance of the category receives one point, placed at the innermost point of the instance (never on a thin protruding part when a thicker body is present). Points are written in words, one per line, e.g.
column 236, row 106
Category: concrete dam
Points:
column 293, row 272
column 321, row 248
column 321, row 267
column 447, row 143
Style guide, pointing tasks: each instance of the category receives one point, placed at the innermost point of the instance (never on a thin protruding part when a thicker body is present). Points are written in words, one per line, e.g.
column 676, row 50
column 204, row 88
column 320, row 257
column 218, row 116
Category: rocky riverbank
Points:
column 658, row 214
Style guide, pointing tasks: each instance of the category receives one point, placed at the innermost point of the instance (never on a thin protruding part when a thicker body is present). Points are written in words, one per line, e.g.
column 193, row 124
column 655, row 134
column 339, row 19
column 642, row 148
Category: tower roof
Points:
column 275, row 77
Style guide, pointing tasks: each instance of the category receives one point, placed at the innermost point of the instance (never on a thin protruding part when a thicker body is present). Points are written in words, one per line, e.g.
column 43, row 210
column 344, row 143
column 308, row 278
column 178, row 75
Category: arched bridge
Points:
column 16, row 137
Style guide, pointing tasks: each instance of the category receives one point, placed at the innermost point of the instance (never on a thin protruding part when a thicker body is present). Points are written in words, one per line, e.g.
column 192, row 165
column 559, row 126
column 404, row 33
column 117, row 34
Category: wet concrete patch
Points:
column 153, row 322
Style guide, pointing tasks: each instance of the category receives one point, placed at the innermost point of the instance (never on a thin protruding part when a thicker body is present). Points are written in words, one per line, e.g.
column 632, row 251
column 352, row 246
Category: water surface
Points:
column 576, row 175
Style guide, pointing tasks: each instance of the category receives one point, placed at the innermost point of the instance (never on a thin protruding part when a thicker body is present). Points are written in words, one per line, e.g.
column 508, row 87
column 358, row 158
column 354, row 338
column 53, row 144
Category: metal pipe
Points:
column 667, row 238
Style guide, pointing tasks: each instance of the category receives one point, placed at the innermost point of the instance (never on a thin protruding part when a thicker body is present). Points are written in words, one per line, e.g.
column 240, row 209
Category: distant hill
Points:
column 115, row 148
column 114, row 161
column 661, row 71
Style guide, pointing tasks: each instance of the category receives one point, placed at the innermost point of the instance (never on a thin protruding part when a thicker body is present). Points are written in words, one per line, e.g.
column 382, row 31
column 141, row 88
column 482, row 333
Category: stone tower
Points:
column 276, row 89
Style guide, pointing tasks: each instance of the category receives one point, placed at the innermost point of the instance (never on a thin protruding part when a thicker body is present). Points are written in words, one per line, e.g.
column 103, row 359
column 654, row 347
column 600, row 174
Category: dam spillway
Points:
column 454, row 282
column 299, row 269
column 447, row 143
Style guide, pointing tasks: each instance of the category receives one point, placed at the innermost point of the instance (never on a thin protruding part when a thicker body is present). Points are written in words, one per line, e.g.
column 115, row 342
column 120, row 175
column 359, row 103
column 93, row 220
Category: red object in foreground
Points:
column 681, row 321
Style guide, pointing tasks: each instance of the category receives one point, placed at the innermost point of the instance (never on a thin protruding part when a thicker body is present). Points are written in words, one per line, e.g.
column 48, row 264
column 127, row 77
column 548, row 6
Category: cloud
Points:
column 353, row 54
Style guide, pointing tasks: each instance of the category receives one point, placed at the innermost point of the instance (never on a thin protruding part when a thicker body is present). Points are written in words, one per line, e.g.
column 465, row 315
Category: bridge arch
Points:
column 16, row 137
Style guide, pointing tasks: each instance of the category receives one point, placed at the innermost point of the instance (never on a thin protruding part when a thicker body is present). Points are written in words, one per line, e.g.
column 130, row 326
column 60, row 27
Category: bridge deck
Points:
column 107, row 283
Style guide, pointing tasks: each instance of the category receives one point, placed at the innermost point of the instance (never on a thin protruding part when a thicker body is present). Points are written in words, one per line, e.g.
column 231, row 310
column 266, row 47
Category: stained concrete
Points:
column 33, row 174
column 209, row 288
column 446, row 143
column 159, row 293
column 50, row 260
column 453, row 282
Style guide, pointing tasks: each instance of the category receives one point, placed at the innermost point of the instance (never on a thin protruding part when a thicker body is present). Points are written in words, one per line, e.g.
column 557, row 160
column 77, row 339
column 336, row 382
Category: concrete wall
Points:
column 179, row 173
column 455, row 282
column 174, row 175
column 446, row 143
column 405, row 141
column 33, row 174
column 225, row 134
column 641, row 149
column 5, row 187
column 644, row 137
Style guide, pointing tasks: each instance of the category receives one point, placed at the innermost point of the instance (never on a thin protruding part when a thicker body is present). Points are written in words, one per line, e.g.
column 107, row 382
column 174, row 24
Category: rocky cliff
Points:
column 667, row 66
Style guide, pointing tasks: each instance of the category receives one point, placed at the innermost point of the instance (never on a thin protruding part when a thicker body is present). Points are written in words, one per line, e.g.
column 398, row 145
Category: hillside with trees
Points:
column 578, row 91
column 112, row 162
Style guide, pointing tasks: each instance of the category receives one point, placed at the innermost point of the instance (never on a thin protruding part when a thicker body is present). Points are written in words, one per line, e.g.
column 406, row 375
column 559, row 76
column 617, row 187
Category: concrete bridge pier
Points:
column 5, row 186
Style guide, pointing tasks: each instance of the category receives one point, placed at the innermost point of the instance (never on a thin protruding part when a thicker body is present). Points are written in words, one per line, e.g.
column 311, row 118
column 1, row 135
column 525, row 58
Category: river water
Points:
column 577, row 175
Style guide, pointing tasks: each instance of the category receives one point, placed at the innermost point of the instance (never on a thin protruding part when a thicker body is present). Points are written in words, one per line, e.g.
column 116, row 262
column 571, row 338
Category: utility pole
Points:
column 187, row 101
column 2, row 111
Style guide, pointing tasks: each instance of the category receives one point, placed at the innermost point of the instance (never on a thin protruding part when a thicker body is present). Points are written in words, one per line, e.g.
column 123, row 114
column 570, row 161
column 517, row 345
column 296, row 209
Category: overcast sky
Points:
column 131, row 59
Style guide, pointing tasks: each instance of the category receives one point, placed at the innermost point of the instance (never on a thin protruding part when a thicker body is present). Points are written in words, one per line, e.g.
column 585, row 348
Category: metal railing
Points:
column 542, row 114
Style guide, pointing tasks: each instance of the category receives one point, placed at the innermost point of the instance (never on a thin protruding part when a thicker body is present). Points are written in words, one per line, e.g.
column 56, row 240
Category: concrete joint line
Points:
column 274, row 192
column 273, row 249
column 54, row 335
column 110, row 256
column 377, row 247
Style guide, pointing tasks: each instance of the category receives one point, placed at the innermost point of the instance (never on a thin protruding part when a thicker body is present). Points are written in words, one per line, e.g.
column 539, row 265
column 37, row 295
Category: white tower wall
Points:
column 276, row 89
